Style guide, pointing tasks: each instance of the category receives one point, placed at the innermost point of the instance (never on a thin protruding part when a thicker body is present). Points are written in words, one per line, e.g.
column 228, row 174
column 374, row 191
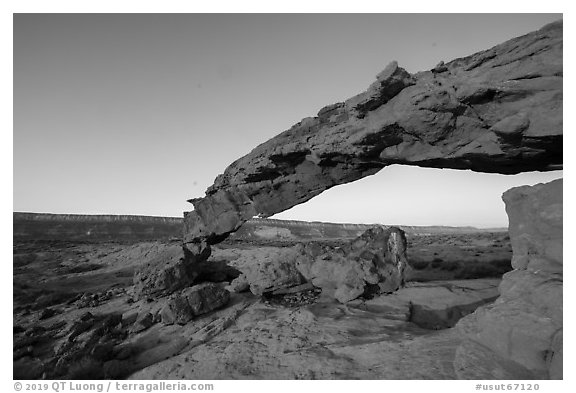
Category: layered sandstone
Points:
column 496, row 111
column 520, row 335
column 374, row 262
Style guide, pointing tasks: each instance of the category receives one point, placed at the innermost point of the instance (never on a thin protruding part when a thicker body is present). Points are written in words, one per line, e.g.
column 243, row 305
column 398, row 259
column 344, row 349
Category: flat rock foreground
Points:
column 81, row 319
column 80, row 313
column 384, row 303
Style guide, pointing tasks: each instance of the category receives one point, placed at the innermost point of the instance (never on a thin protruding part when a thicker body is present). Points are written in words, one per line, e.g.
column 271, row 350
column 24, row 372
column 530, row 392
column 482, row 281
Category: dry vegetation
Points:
column 459, row 256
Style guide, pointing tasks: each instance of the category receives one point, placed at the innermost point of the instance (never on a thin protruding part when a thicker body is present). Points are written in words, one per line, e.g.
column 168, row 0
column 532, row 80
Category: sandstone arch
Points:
column 498, row 111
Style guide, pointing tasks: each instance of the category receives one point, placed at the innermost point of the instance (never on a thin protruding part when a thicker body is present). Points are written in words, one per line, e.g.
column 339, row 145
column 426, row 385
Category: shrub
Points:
column 450, row 266
column 502, row 263
column 478, row 270
column 436, row 263
column 418, row 265
column 486, row 270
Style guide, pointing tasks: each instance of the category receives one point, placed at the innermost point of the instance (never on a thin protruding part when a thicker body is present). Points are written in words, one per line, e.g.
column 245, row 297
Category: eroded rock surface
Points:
column 441, row 304
column 499, row 110
column 435, row 305
column 374, row 262
column 174, row 269
column 287, row 335
column 269, row 270
column 191, row 302
column 522, row 330
column 164, row 274
column 362, row 339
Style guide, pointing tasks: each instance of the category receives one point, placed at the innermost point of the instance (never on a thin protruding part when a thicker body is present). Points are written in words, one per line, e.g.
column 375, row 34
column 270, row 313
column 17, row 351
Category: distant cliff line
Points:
column 407, row 228
column 94, row 217
column 104, row 218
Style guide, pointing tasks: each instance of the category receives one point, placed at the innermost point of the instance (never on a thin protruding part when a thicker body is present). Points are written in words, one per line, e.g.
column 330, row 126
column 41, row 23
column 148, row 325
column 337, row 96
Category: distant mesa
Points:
column 84, row 227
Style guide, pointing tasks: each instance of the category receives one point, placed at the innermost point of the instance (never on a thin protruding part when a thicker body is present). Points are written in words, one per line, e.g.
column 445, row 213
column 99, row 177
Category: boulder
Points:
column 535, row 217
column 239, row 284
column 143, row 322
column 374, row 261
column 190, row 302
column 129, row 318
column 165, row 273
column 524, row 325
column 271, row 269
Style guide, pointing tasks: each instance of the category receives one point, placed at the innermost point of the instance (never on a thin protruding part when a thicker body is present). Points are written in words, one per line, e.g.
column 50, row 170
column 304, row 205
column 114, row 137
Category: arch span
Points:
column 498, row 111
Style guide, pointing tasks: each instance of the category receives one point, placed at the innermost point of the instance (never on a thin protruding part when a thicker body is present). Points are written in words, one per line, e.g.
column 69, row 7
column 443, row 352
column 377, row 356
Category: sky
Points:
column 136, row 113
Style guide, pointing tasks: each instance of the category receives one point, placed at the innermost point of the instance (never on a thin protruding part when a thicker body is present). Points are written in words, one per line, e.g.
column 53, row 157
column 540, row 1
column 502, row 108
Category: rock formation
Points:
column 269, row 271
column 520, row 335
column 433, row 305
column 372, row 263
column 191, row 302
column 164, row 274
column 499, row 111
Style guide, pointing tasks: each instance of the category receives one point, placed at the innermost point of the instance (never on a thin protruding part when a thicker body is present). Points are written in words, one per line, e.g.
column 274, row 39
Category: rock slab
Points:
column 433, row 305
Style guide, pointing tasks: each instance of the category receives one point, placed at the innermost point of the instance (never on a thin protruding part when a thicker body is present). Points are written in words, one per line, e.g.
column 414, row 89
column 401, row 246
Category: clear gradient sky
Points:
column 135, row 113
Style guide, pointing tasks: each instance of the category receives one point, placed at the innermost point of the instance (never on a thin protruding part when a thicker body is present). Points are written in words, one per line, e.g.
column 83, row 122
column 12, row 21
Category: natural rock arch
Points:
column 497, row 111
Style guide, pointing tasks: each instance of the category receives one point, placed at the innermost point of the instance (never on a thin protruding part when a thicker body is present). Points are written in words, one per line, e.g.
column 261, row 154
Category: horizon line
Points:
column 259, row 218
